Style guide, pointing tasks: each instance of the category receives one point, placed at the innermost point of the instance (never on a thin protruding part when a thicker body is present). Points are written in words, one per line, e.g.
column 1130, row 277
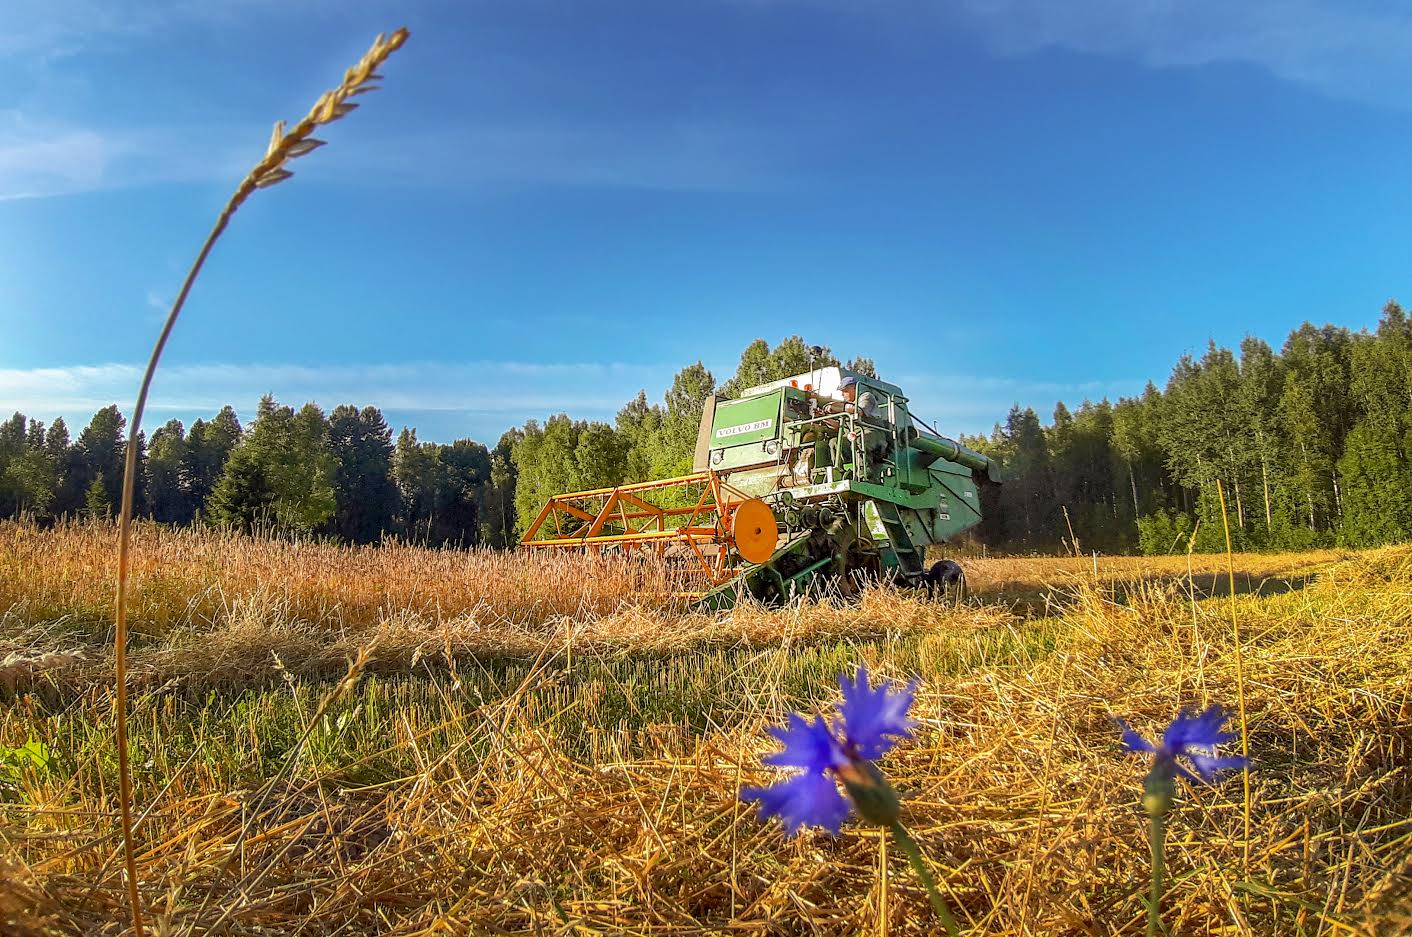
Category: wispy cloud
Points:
column 42, row 157
column 1355, row 49
column 57, row 28
column 493, row 395
column 480, row 398
column 683, row 155
column 963, row 403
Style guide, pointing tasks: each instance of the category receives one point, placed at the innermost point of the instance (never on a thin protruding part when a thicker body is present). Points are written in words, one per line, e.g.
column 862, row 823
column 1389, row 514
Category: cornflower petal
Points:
column 1190, row 736
column 808, row 799
column 1208, row 767
column 873, row 719
column 1199, row 731
column 1132, row 741
column 807, row 745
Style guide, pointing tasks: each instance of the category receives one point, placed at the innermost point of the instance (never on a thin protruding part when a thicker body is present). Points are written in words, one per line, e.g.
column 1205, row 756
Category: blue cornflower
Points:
column 1193, row 737
column 870, row 722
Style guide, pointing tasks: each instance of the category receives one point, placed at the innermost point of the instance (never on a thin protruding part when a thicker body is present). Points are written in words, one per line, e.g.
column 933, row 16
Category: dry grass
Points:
column 473, row 782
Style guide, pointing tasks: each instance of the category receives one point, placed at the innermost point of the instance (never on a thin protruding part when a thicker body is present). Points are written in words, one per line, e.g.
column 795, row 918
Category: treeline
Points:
column 304, row 473
column 300, row 473
column 1311, row 445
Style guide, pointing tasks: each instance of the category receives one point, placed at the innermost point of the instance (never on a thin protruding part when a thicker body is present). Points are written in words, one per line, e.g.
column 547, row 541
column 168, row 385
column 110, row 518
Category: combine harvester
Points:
column 810, row 484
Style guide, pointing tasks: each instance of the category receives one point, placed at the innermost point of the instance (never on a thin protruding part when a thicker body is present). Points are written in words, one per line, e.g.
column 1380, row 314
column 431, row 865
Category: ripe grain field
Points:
column 540, row 744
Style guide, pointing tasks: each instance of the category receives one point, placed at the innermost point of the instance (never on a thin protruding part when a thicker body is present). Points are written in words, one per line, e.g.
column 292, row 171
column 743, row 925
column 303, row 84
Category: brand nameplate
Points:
column 743, row 428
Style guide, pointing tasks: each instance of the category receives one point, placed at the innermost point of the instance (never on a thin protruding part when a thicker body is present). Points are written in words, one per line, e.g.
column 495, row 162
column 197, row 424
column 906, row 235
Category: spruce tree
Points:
column 364, row 490
column 168, row 496
column 102, row 448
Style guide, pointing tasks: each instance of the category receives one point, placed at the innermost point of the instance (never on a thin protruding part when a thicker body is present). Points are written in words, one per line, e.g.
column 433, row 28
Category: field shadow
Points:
column 1028, row 598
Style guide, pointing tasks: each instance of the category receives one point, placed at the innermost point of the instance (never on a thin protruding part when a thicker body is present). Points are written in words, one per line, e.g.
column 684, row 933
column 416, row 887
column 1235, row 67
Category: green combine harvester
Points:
column 813, row 484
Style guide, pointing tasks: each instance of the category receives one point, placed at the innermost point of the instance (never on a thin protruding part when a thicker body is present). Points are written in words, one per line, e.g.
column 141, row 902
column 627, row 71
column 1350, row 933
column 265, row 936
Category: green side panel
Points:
column 912, row 473
column 751, row 420
column 745, row 432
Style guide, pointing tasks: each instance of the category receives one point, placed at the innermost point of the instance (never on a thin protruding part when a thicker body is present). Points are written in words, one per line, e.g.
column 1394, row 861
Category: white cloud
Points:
column 479, row 398
column 961, row 403
column 498, row 394
column 1356, row 49
column 43, row 157
column 40, row 159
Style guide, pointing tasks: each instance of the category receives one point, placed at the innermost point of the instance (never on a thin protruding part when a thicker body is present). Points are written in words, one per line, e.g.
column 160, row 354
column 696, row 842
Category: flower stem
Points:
column 1156, row 835
column 914, row 855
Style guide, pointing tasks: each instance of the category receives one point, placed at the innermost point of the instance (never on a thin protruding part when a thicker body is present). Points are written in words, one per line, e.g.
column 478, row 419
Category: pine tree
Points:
column 1030, row 515
column 69, row 471
column 462, row 484
column 208, row 446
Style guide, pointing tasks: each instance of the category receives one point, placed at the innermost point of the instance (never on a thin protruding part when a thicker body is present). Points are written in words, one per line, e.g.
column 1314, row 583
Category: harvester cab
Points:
column 795, row 489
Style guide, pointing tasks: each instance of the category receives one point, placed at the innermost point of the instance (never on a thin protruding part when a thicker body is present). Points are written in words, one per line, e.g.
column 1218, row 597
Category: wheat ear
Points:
column 284, row 146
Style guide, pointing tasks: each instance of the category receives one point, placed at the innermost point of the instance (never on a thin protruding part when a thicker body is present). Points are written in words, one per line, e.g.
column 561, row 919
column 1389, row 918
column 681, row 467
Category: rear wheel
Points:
column 946, row 577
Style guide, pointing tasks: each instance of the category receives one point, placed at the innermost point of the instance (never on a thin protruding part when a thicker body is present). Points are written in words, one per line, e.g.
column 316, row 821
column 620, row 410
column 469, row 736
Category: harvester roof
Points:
column 825, row 381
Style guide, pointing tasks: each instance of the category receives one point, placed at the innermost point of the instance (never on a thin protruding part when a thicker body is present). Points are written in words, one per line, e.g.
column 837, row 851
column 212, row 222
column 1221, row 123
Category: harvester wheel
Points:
column 947, row 576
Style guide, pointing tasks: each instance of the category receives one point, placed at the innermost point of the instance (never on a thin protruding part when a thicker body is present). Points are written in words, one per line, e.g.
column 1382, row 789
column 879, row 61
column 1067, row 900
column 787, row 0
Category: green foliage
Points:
column 863, row 366
column 280, row 476
column 365, row 496
column 102, row 454
column 546, row 462
column 1312, row 445
column 760, row 364
column 96, row 505
column 675, row 442
column 1377, row 479
column 168, row 495
column 1163, row 532
column 28, row 469
column 443, row 489
column 33, row 758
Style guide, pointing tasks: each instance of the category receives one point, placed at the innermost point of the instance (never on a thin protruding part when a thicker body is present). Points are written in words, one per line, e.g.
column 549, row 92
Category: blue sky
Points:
column 554, row 203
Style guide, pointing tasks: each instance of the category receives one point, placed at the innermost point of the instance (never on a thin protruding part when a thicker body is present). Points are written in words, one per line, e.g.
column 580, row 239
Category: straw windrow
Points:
column 470, row 784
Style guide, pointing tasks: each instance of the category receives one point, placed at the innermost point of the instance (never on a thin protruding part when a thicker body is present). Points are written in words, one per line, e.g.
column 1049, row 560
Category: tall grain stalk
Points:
column 1240, row 677
column 284, row 146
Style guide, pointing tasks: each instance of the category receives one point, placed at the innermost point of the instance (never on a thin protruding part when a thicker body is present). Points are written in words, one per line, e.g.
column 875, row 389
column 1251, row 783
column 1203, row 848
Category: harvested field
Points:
column 541, row 745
